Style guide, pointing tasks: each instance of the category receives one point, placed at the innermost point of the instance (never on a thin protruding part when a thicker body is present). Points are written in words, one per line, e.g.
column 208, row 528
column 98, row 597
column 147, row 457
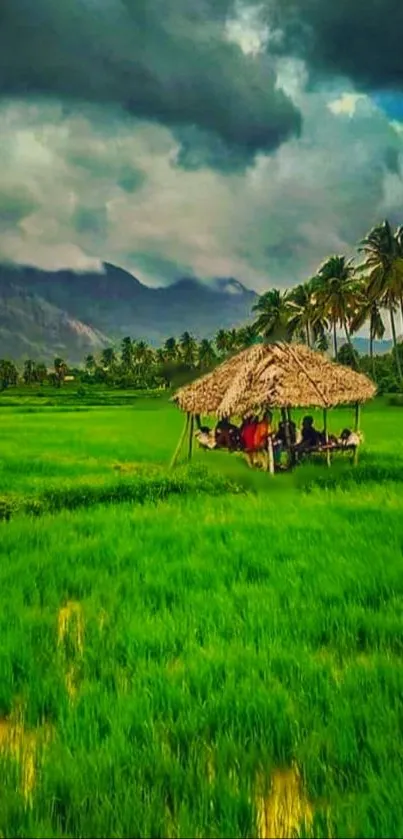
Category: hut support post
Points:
column 284, row 417
column 326, row 430
column 357, row 417
column 292, row 452
column 191, row 429
column 356, row 429
column 270, row 454
column 180, row 443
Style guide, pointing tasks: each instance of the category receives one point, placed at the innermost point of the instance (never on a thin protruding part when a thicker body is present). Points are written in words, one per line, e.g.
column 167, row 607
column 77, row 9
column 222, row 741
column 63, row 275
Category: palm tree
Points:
column 272, row 311
column 305, row 319
column 108, row 358
column 369, row 310
column 126, row 353
column 140, row 351
column 171, row 350
column 60, row 370
column 29, row 374
column 41, row 372
column 399, row 241
column 207, row 355
column 223, row 341
column 383, row 268
column 246, row 336
column 90, row 364
column 8, row 373
column 335, row 295
column 188, row 347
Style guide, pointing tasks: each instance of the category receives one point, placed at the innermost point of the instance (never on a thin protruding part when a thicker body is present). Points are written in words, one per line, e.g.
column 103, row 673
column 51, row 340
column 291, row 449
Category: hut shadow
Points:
column 235, row 468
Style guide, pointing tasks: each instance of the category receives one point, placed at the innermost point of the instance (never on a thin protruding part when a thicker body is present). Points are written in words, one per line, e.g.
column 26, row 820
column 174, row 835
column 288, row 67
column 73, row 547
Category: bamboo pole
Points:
column 287, row 434
column 192, row 420
column 270, row 454
column 356, row 429
column 326, row 435
column 357, row 417
column 292, row 451
column 180, row 443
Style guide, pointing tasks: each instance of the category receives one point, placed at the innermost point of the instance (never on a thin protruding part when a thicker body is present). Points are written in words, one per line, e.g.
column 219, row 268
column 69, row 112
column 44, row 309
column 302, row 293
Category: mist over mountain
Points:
column 43, row 313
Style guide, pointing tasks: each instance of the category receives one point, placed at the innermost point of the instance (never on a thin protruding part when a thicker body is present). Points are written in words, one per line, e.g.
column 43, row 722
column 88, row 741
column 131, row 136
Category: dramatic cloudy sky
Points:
column 206, row 137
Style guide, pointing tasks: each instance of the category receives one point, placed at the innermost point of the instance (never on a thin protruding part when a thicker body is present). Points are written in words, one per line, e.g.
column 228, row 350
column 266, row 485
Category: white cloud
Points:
column 87, row 187
column 346, row 103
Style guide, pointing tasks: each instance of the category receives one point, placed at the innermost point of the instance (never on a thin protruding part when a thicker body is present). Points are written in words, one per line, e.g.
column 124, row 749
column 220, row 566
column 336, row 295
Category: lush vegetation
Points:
column 206, row 651
column 341, row 297
column 344, row 296
column 218, row 654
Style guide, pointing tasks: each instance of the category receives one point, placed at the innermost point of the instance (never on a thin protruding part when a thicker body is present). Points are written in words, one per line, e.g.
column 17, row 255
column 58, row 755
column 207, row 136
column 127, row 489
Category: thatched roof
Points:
column 274, row 375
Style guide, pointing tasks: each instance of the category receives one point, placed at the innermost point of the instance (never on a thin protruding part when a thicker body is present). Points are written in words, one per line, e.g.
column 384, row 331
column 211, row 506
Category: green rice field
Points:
column 204, row 652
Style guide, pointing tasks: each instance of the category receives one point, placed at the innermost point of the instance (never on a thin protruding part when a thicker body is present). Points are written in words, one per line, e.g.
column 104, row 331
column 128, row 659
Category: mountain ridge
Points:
column 43, row 313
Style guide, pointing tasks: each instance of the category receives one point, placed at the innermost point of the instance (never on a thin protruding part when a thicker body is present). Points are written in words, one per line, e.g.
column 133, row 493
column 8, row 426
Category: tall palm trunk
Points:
column 308, row 334
column 395, row 345
column 350, row 344
column 335, row 340
column 371, row 353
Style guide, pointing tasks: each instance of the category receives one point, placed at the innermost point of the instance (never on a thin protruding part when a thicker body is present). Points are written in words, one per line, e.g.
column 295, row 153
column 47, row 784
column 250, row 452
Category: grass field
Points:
column 218, row 654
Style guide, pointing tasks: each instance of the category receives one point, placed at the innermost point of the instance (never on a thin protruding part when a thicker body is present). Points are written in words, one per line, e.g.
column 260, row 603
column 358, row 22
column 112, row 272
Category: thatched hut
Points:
column 281, row 376
column 204, row 396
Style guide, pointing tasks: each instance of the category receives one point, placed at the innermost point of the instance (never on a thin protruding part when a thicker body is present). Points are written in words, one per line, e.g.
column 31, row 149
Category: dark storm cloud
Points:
column 392, row 160
column 167, row 62
column 153, row 266
column 15, row 205
column 361, row 39
column 91, row 221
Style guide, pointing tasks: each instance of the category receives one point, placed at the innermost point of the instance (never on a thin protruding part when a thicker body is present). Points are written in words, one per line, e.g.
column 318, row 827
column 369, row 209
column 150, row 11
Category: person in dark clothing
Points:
column 310, row 436
column 227, row 435
column 281, row 435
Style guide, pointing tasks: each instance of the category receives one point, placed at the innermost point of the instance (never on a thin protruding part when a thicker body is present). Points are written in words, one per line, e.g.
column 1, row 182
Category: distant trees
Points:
column 272, row 311
column 339, row 300
column 61, row 371
column 344, row 296
column 29, row 372
column 8, row 374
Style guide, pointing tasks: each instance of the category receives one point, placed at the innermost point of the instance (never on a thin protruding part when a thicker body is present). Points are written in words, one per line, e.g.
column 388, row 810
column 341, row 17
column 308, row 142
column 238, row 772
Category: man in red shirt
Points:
column 248, row 434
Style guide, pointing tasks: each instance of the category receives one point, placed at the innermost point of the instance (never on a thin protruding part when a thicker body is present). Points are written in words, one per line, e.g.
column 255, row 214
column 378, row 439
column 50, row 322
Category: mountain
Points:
column 31, row 327
column 380, row 347
column 43, row 313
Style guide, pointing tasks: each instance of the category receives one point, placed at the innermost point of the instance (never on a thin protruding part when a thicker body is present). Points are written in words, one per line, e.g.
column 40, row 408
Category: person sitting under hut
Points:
column 281, row 435
column 263, row 430
column 310, row 437
column 226, row 435
column 248, row 431
column 284, row 438
column 350, row 439
column 205, row 437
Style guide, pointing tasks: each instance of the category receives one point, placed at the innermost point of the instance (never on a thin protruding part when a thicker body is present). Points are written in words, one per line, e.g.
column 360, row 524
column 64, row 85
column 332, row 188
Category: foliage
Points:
column 341, row 295
column 348, row 356
column 157, row 642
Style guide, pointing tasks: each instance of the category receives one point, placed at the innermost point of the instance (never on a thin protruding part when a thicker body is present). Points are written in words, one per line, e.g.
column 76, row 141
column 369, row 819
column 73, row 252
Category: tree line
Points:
column 342, row 296
column 135, row 363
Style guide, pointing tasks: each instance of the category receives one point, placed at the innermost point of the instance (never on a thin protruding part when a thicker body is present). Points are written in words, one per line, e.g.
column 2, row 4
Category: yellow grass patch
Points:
column 70, row 625
column 24, row 747
column 126, row 468
column 285, row 812
column 70, row 639
column 103, row 618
